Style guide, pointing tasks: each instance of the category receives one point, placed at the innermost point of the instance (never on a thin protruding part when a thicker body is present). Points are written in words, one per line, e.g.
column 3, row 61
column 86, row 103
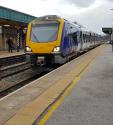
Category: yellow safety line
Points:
column 57, row 103
column 60, row 100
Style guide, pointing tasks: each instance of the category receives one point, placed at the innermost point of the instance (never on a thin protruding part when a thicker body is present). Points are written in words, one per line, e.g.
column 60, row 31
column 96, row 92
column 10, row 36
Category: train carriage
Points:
column 55, row 39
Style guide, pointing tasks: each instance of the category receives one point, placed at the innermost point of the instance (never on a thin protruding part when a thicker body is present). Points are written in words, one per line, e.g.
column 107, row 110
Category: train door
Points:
column 90, row 40
column 70, row 38
column 84, row 42
column 79, row 41
column 76, row 38
column 72, row 46
column 88, row 43
column 66, row 40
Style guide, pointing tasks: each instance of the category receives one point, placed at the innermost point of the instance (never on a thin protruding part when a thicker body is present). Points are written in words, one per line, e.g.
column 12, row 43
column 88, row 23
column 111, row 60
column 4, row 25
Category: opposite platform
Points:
column 5, row 54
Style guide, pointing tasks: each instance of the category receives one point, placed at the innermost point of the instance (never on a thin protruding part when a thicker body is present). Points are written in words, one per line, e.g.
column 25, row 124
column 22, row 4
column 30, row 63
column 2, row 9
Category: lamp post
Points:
column 112, row 35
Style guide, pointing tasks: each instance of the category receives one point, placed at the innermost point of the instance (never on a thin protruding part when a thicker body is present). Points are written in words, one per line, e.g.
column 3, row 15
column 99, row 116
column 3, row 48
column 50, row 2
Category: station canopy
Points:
column 107, row 30
column 12, row 17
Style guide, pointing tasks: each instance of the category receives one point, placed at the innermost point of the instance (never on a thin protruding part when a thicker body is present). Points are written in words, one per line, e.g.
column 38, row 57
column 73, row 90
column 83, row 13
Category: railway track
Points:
column 19, row 75
column 6, row 61
column 15, row 72
column 13, row 69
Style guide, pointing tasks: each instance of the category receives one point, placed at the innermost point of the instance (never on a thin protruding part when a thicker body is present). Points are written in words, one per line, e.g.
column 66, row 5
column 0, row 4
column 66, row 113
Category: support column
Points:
column 1, row 40
column 18, row 40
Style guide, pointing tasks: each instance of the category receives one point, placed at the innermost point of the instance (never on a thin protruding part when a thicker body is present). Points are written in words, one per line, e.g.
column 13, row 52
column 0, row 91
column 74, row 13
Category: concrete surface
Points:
column 91, row 100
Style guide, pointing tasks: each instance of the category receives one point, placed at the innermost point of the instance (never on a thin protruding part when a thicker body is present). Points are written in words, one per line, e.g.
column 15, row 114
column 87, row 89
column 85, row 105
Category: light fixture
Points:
column 56, row 49
column 28, row 49
column 7, row 25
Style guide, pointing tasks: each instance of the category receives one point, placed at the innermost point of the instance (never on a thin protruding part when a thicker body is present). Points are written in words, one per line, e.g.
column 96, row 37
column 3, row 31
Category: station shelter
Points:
column 13, row 24
column 108, row 32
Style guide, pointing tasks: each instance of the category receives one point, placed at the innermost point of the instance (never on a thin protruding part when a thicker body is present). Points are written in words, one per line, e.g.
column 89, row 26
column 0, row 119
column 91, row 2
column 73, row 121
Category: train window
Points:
column 84, row 38
column 74, row 36
column 87, row 38
column 80, row 36
column 44, row 32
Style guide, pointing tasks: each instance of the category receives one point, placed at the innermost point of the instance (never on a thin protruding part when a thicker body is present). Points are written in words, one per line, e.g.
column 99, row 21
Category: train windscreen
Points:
column 44, row 32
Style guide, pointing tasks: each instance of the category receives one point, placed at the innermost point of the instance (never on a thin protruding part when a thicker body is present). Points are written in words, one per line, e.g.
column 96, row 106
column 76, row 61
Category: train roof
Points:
column 53, row 18
column 47, row 18
column 56, row 17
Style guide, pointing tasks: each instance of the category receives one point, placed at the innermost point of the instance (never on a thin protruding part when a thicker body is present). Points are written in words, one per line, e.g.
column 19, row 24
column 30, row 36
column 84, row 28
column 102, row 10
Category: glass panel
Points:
column 44, row 32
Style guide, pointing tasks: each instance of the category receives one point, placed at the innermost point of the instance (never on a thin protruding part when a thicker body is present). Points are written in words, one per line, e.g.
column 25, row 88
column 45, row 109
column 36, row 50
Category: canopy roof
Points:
column 107, row 30
column 12, row 15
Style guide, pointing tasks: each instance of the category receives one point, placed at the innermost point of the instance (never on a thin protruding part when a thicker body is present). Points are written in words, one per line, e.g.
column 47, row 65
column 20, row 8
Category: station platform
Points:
column 5, row 54
column 47, row 101
column 91, row 101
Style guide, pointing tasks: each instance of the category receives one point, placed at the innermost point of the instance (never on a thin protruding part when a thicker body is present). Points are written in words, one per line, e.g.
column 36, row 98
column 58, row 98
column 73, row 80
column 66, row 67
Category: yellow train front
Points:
column 43, row 38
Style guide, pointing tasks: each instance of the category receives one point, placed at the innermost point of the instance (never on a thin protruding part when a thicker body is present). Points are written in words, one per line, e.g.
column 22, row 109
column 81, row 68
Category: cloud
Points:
column 110, row 0
column 82, row 3
column 85, row 3
column 97, row 18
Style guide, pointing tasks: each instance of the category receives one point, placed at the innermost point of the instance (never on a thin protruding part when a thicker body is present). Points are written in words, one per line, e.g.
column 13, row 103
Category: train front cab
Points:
column 44, row 39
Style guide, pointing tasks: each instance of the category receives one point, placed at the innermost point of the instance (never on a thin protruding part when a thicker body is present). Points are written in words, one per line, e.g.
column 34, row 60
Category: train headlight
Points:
column 28, row 49
column 56, row 49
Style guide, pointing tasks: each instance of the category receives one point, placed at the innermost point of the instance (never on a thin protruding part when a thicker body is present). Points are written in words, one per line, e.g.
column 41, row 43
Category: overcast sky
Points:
column 93, row 14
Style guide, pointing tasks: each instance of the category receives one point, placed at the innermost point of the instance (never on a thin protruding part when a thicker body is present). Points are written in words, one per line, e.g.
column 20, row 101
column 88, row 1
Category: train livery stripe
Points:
column 57, row 104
